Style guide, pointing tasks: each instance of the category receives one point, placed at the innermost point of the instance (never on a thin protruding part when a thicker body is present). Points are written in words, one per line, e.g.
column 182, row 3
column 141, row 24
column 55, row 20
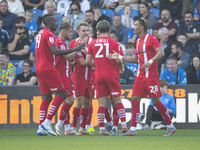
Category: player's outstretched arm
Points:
column 57, row 51
column 87, row 61
column 115, row 55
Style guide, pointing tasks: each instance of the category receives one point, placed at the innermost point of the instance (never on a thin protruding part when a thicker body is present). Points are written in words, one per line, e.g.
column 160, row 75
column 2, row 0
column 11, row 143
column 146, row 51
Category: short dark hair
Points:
column 103, row 26
column 117, row 15
column 142, row 22
column 178, row 44
column 20, row 19
column 5, row 53
column 65, row 26
column 145, row 4
column 163, row 83
column 4, row 1
column 184, row 34
column 90, row 11
column 47, row 18
column 129, row 45
column 29, row 62
column 172, row 58
column 189, row 12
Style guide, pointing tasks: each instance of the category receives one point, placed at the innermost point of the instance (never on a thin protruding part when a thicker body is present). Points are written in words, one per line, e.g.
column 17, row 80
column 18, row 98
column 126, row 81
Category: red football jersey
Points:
column 62, row 65
column 44, row 55
column 100, row 49
column 83, row 71
column 145, row 49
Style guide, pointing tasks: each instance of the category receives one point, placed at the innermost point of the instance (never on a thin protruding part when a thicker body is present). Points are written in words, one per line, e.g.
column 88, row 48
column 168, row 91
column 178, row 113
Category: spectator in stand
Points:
column 20, row 22
column 8, row 17
column 120, row 29
column 183, row 58
column 4, row 37
column 153, row 113
column 147, row 15
column 130, row 51
column 7, row 70
column 34, row 4
column 113, row 35
column 16, row 7
column 30, row 25
column 193, row 73
column 127, row 77
column 89, row 18
column 166, row 46
column 173, row 74
column 63, row 7
column 174, row 7
column 182, row 37
column 126, row 19
column 76, row 15
column 27, row 77
column 51, row 7
column 166, row 22
column 191, row 29
column 122, row 3
column 97, row 13
column 192, row 6
column 85, row 5
column 19, row 47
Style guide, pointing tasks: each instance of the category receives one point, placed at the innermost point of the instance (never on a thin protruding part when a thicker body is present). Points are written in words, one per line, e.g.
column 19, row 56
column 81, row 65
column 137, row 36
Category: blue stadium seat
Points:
column 108, row 12
column 134, row 13
column 36, row 14
column 156, row 12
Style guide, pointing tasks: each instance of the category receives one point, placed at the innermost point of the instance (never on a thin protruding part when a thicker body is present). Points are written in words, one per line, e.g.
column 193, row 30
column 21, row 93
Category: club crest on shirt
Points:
column 51, row 39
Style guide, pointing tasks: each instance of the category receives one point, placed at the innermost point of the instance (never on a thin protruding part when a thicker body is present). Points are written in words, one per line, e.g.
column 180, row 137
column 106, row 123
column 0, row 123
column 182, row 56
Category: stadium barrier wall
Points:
column 19, row 106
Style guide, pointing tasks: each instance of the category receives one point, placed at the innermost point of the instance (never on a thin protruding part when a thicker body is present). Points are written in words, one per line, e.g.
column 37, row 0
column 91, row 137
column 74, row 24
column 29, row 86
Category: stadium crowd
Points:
column 175, row 23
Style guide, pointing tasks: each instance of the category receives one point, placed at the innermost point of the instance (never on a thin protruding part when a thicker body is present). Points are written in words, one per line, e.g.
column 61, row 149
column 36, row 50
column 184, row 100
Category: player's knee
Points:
column 47, row 97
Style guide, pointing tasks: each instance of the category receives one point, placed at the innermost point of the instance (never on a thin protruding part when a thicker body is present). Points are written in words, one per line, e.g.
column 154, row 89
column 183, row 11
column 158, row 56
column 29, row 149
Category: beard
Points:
column 188, row 22
column 175, row 55
column 165, row 19
column 89, row 21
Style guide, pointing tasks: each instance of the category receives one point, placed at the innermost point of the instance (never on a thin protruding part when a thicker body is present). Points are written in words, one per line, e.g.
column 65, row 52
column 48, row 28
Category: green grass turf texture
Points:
column 26, row 139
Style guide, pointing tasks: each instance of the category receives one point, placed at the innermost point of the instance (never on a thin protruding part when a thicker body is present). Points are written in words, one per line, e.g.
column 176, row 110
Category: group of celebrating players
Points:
column 97, row 64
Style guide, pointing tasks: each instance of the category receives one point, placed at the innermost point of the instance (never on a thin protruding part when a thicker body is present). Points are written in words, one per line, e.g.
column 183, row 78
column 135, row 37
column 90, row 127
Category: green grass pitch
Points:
column 26, row 139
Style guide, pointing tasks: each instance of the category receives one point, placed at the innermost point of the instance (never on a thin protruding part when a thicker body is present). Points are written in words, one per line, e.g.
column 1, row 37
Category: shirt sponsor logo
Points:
column 54, row 89
column 114, row 93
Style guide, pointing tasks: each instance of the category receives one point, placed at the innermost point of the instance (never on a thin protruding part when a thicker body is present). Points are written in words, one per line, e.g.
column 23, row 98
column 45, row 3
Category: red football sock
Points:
column 121, row 112
column 107, row 115
column 101, row 116
column 90, row 113
column 164, row 113
column 54, row 106
column 135, row 113
column 75, row 117
column 83, row 117
column 115, row 117
column 43, row 110
column 64, row 113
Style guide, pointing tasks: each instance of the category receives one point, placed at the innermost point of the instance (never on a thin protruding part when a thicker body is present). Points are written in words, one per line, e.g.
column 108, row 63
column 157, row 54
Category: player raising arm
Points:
column 148, row 52
column 48, row 77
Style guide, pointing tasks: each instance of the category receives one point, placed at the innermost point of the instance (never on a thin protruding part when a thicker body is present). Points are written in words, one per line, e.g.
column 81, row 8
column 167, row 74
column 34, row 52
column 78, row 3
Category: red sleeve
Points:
column 79, row 55
column 50, row 39
column 90, row 49
column 154, row 43
column 71, row 44
column 136, row 50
